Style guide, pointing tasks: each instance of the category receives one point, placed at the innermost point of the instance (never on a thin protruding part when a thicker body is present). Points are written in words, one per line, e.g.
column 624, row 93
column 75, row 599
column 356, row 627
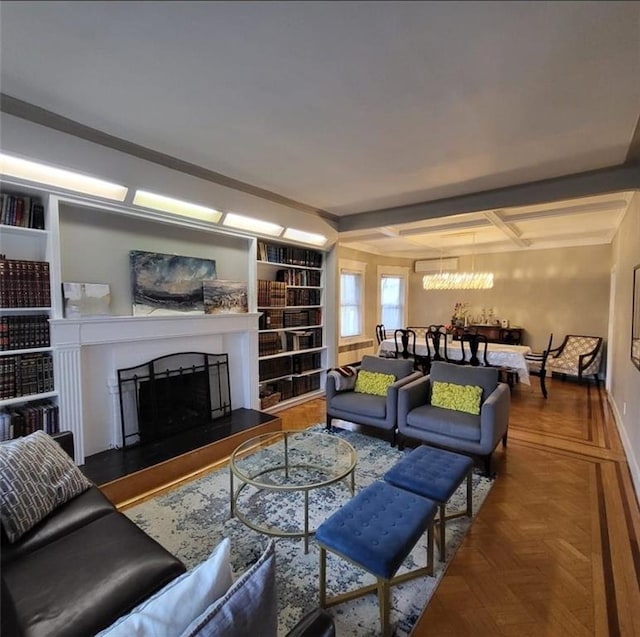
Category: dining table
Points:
column 498, row 355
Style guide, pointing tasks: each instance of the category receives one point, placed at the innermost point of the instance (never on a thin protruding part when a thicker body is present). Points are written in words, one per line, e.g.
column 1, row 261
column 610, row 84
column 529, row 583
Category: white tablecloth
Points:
column 497, row 354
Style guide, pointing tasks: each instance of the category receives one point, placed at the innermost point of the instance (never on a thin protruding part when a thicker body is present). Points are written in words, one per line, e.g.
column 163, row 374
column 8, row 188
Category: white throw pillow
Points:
column 174, row 607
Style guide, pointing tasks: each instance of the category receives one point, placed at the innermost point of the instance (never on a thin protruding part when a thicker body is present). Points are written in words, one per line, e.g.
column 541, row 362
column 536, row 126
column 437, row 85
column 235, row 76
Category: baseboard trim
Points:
column 632, row 461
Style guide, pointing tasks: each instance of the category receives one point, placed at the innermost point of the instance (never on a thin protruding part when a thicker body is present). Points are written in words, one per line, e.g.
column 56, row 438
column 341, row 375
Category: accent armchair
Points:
column 473, row 434
column 577, row 356
column 369, row 409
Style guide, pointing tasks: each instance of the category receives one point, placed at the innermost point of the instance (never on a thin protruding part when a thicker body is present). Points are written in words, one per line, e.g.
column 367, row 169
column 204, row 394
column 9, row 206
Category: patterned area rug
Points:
column 193, row 518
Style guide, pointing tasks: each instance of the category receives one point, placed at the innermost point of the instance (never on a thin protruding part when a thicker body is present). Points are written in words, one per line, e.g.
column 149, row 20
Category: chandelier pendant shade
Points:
column 458, row 281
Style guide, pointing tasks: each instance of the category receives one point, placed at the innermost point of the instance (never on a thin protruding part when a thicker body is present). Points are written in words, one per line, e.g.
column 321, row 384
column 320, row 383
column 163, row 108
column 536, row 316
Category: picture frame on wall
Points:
column 225, row 297
column 635, row 318
column 86, row 299
column 168, row 283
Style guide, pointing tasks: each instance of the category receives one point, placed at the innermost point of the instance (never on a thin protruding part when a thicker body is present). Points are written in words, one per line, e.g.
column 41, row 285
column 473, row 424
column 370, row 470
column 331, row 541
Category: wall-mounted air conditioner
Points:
column 437, row 265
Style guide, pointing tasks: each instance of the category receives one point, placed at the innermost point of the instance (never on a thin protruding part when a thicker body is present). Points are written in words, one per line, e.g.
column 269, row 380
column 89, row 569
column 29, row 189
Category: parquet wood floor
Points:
column 554, row 551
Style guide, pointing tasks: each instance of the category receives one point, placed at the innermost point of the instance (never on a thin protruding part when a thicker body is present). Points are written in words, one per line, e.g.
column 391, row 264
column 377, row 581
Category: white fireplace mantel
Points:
column 120, row 329
column 89, row 351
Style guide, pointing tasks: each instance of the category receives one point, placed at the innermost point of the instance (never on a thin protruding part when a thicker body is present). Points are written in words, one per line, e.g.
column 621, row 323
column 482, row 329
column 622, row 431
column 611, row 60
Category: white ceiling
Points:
column 354, row 106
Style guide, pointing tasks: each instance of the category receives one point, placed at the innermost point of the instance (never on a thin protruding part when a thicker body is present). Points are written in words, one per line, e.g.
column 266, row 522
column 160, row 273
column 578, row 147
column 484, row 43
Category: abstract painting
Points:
column 86, row 299
column 168, row 283
column 225, row 297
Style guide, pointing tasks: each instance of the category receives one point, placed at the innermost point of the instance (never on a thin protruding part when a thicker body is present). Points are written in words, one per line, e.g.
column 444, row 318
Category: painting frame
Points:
column 168, row 284
column 81, row 300
column 223, row 296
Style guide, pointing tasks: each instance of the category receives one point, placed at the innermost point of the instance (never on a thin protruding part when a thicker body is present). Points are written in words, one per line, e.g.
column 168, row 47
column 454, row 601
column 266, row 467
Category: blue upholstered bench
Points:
column 376, row 530
column 435, row 474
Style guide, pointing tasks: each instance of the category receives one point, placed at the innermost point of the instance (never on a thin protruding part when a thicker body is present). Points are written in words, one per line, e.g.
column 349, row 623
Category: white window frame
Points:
column 395, row 271
column 352, row 267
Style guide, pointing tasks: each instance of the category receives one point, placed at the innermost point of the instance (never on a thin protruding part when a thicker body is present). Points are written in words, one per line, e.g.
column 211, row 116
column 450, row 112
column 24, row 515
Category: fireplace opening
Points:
column 172, row 394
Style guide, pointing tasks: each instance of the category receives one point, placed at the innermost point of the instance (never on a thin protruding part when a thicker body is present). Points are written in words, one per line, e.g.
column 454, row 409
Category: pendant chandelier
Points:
column 459, row 280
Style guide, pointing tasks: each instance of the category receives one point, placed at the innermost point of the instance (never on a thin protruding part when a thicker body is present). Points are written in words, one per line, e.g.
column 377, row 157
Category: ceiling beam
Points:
column 507, row 228
column 595, row 182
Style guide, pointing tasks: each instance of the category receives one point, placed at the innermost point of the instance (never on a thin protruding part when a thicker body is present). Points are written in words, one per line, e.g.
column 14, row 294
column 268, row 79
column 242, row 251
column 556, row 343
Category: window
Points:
column 392, row 299
column 392, row 302
column 351, row 298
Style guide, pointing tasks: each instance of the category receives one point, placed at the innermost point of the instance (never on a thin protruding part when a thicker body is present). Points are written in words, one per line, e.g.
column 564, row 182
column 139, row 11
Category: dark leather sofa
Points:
column 84, row 566
column 80, row 569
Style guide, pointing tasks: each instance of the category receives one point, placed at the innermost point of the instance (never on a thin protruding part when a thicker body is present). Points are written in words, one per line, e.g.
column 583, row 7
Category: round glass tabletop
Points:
column 293, row 460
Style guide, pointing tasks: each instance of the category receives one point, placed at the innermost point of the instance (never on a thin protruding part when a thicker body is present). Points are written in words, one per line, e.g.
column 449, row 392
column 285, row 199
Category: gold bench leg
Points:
column 441, row 524
column 323, row 577
column 384, row 601
column 430, row 550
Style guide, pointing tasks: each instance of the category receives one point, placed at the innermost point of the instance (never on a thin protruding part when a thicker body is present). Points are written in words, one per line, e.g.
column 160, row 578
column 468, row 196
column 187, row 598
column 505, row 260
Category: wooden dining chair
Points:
column 537, row 364
column 478, row 343
column 435, row 339
column 405, row 341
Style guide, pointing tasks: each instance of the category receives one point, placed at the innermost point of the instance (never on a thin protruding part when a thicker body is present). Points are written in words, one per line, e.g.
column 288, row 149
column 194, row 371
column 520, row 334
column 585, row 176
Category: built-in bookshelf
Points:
column 27, row 387
column 292, row 351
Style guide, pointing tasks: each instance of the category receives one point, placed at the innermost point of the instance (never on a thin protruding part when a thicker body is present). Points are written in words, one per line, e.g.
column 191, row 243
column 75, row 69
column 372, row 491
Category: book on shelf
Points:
column 303, row 339
column 21, row 210
column 309, row 278
column 25, row 375
column 24, row 283
column 24, row 420
column 305, row 384
column 269, row 344
column 306, row 362
column 289, row 255
column 24, row 332
column 274, row 367
column 298, row 296
column 271, row 293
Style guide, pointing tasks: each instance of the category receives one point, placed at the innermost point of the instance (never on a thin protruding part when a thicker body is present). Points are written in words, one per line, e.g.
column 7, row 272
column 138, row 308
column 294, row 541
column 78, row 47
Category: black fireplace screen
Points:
column 173, row 393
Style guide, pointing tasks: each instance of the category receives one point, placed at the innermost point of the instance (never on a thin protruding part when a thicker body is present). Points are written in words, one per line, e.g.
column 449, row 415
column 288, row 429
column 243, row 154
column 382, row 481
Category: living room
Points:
column 577, row 287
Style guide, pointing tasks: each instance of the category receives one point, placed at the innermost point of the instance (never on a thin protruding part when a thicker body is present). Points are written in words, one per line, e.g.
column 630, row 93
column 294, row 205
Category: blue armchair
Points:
column 475, row 435
column 367, row 409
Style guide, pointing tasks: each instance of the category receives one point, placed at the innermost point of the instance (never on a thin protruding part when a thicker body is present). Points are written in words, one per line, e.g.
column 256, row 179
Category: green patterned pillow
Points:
column 457, row 397
column 374, row 383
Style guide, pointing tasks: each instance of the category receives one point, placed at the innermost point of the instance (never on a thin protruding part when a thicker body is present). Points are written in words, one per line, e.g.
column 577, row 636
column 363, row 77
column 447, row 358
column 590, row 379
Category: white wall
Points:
column 564, row 291
column 624, row 376
column 95, row 245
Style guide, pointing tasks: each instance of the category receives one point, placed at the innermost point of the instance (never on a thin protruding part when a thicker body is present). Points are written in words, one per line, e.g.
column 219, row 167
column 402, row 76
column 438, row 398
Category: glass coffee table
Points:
column 284, row 463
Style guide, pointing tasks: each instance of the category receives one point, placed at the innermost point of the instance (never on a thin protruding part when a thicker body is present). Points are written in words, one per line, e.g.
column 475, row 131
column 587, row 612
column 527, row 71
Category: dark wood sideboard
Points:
column 494, row 333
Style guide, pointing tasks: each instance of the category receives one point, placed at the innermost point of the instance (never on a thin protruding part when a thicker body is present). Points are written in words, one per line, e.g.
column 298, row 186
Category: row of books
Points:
column 24, row 283
column 282, row 386
column 305, row 384
column 279, row 319
column 306, row 362
column 22, row 421
column 274, row 367
column 24, row 332
column 21, row 210
column 25, row 374
column 297, row 296
column 288, row 255
column 303, row 339
column 299, row 277
column 272, row 293
column 269, row 344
